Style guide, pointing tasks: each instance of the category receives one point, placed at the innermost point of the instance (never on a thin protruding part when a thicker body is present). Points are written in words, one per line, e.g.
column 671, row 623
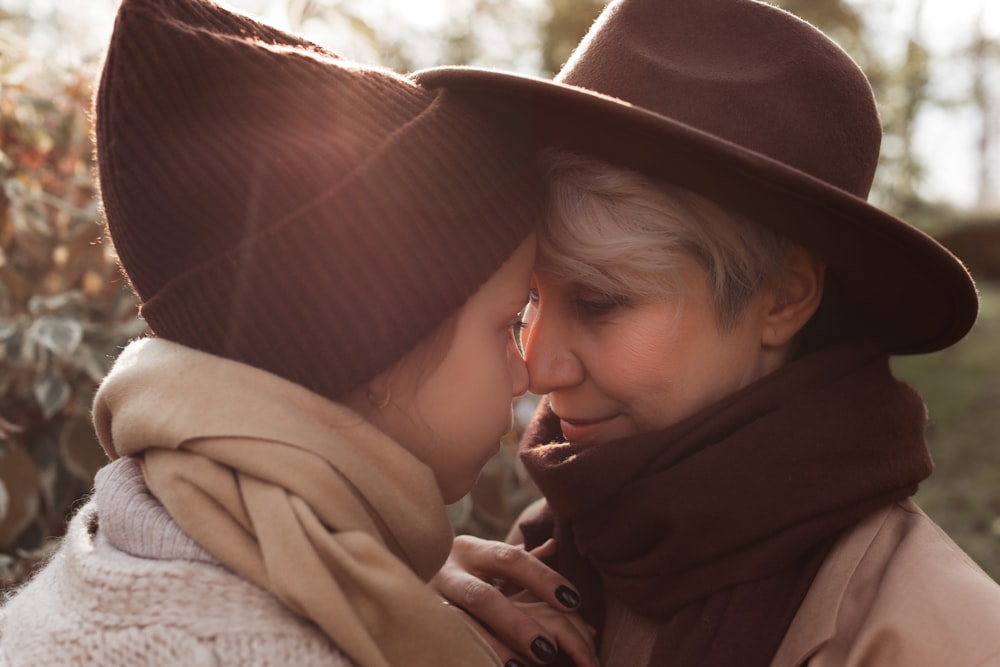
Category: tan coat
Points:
column 894, row 591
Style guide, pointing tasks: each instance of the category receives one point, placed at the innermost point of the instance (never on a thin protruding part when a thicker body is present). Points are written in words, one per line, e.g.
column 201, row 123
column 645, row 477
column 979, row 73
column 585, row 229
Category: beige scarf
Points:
column 298, row 494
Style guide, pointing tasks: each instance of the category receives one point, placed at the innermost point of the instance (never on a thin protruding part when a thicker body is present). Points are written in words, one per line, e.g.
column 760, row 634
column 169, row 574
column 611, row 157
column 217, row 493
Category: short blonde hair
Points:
column 621, row 232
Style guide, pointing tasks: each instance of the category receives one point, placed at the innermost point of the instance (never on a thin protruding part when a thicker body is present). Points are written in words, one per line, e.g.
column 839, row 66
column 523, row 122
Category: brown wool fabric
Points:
column 274, row 204
column 757, row 110
column 715, row 527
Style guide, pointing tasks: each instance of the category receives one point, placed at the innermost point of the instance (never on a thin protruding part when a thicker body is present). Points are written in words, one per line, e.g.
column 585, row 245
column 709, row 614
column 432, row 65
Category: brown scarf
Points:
column 716, row 526
column 295, row 493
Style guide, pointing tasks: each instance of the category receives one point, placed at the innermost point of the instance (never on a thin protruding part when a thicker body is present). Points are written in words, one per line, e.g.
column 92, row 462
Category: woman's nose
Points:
column 549, row 357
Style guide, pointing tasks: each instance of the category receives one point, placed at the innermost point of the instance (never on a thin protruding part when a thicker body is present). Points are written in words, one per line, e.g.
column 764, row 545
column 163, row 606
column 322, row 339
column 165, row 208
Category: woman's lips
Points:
column 582, row 430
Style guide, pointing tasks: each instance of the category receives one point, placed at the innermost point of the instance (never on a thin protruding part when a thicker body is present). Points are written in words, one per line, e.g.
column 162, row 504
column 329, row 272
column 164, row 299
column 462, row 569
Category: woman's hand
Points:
column 525, row 610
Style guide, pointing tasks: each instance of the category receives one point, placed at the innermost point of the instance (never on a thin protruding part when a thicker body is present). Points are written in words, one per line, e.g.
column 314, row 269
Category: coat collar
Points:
column 816, row 621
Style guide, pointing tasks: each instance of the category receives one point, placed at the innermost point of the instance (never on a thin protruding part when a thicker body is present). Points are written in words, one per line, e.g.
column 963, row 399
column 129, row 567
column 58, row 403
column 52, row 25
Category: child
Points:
column 331, row 260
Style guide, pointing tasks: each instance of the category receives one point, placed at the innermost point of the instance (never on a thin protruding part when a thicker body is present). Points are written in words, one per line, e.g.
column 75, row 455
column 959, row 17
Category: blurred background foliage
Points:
column 65, row 312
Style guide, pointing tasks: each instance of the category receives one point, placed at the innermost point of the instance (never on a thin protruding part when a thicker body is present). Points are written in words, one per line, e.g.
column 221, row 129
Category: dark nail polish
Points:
column 568, row 597
column 543, row 649
column 513, row 662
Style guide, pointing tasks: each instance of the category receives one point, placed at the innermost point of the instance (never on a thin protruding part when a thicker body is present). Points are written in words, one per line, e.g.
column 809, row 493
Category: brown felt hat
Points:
column 754, row 108
column 274, row 204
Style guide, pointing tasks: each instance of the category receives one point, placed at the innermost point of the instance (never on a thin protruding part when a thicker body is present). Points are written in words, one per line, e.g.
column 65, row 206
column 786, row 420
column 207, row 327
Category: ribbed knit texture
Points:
column 133, row 521
column 95, row 604
column 266, row 197
column 295, row 493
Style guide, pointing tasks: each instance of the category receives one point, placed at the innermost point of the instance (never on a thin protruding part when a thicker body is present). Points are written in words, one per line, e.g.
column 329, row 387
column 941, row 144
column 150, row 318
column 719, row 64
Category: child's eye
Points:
column 516, row 328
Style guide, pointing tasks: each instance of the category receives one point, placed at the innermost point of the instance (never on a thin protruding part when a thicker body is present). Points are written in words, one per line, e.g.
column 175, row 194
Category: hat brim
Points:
column 910, row 294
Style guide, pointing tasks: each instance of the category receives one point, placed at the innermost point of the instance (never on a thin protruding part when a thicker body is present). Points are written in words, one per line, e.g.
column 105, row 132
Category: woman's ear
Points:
column 796, row 291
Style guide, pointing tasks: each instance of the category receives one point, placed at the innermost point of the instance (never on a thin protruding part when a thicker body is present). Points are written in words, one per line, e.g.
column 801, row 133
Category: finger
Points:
column 507, row 656
column 545, row 549
column 573, row 636
column 456, row 584
column 461, row 581
column 564, row 593
column 508, row 622
column 513, row 565
column 494, row 610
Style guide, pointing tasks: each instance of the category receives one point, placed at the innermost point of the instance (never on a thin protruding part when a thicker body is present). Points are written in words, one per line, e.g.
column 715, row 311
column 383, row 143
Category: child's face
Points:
column 452, row 417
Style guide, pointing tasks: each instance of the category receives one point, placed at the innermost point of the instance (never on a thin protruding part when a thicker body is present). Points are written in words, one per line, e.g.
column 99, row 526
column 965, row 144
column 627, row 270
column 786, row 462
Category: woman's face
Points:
column 453, row 414
column 614, row 366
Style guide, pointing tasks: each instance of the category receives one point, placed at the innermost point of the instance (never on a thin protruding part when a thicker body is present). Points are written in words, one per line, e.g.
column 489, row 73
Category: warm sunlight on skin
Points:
column 611, row 371
column 613, row 366
column 452, row 416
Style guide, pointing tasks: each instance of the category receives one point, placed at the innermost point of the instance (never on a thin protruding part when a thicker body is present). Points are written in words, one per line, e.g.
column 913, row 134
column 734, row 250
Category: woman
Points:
column 332, row 260
column 726, row 459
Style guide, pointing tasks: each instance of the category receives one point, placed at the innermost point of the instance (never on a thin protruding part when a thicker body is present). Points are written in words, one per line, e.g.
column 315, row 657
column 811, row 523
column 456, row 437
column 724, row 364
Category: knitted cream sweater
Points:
column 128, row 588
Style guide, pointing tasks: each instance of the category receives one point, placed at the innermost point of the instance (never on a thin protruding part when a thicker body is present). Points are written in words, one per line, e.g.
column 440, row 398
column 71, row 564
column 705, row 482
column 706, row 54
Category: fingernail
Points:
column 513, row 662
column 543, row 649
column 568, row 597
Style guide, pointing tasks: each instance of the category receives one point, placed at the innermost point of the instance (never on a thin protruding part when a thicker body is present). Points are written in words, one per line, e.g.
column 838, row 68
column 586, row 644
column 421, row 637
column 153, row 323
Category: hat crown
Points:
column 277, row 205
column 188, row 110
column 743, row 71
column 755, row 109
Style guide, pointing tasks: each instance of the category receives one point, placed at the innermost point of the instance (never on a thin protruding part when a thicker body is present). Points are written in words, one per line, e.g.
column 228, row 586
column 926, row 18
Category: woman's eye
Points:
column 600, row 304
column 533, row 296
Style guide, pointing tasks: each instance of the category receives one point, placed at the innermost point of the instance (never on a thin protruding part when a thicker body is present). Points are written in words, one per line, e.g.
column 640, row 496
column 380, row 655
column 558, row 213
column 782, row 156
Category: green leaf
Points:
column 59, row 335
column 51, row 392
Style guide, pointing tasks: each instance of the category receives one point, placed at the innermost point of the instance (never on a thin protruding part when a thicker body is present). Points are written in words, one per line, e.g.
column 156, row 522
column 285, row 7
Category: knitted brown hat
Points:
column 274, row 204
column 756, row 109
